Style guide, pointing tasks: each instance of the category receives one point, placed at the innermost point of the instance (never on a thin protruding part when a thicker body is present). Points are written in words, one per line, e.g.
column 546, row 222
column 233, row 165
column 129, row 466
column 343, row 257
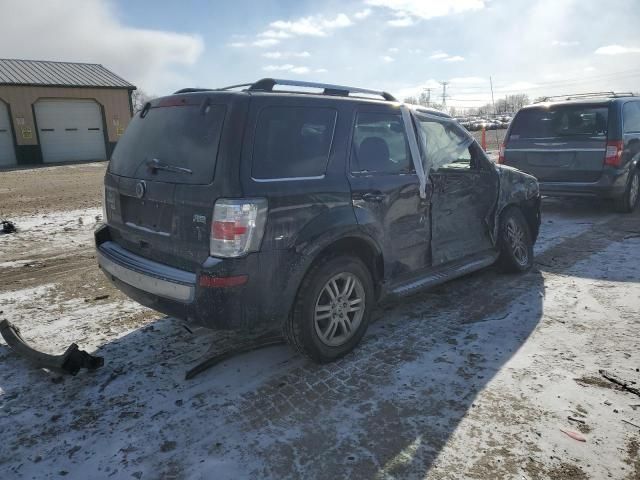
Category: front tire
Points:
column 516, row 247
column 628, row 202
column 332, row 309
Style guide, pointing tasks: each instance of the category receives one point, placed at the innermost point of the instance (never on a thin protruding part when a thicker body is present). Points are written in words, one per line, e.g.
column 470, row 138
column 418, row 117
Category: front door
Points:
column 386, row 190
column 465, row 190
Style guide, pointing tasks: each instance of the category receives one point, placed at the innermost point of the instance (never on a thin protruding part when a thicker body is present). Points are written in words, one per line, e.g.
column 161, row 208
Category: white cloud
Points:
column 275, row 34
column 565, row 43
column 469, row 81
column 92, row 31
column 446, row 57
column 401, row 20
column 314, row 26
column 266, row 42
column 616, row 50
column 439, row 56
column 387, row 59
column 287, row 67
column 393, row 50
column 237, row 44
column 278, row 68
column 277, row 55
column 361, row 15
column 321, row 70
column 426, row 9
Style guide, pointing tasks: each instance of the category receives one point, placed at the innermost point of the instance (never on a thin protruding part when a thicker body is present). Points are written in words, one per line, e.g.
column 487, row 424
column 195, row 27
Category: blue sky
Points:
column 538, row 47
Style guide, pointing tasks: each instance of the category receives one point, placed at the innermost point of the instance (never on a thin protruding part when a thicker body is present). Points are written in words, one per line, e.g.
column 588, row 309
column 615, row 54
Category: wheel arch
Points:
column 354, row 244
column 530, row 209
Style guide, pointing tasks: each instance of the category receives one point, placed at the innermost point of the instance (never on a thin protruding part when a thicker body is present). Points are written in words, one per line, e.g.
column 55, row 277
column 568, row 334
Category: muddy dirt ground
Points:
column 488, row 377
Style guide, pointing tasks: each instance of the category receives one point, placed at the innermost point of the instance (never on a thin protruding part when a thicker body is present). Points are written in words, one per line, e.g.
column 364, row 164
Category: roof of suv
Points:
column 266, row 86
column 603, row 98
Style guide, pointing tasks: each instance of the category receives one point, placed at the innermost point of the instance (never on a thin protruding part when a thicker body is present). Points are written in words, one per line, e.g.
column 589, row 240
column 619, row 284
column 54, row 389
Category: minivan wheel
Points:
column 628, row 202
column 516, row 247
column 332, row 309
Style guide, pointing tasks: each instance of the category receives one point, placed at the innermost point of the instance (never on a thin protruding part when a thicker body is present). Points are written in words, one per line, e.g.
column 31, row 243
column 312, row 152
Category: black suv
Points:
column 253, row 207
column 584, row 145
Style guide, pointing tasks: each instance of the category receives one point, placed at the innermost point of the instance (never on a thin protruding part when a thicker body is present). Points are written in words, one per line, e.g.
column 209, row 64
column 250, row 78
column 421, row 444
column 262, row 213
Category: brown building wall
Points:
column 115, row 105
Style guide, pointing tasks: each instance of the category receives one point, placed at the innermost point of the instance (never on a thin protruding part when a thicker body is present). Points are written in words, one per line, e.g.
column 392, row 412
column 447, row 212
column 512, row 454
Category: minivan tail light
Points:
column 613, row 157
column 501, row 152
column 237, row 226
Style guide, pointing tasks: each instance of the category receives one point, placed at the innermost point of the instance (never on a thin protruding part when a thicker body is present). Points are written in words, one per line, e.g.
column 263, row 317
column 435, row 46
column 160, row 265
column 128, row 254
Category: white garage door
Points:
column 70, row 130
column 7, row 152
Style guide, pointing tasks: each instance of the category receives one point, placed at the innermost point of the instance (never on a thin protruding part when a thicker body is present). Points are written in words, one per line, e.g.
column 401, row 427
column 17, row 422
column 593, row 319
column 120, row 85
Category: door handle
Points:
column 373, row 197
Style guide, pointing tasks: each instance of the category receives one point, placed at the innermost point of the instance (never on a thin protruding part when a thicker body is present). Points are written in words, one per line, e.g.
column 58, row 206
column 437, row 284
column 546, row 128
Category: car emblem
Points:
column 141, row 188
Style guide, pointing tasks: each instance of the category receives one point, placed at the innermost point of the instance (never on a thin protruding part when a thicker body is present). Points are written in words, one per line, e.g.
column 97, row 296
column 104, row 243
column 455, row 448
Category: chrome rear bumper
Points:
column 146, row 275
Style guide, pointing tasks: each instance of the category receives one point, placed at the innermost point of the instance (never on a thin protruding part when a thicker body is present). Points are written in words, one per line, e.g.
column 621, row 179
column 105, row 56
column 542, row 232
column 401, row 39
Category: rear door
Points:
column 386, row 190
column 160, row 187
column 561, row 143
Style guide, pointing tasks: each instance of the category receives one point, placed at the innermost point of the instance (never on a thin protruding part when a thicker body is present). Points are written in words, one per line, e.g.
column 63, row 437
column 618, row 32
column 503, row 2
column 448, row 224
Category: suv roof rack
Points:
column 191, row 90
column 577, row 96
column 267, row 84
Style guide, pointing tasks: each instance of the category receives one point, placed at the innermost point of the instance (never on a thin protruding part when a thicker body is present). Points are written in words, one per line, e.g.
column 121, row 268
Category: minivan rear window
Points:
column 292, row 142
column 560, row 121
column 179, row 138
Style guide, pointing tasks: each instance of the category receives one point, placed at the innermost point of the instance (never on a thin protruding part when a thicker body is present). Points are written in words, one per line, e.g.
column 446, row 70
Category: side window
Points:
column 631, row 117
column 380, row 144
column 445, row 145
column 292, row 142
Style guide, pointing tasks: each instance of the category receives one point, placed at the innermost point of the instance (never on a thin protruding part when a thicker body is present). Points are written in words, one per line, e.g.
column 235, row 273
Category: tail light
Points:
column 501, row 151
column 613, row 157
column 237, row 227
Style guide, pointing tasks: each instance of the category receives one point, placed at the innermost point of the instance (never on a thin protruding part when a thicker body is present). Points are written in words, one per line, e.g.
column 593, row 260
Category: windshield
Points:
column 561, row 121
column 182, row 139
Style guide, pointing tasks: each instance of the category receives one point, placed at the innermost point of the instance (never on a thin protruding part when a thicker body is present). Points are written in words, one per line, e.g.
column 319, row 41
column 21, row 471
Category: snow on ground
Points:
column 474, row 379
column 50, row 231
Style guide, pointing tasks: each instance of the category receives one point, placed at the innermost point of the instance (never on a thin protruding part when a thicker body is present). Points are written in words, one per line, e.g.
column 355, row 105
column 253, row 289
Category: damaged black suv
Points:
column 299, row 206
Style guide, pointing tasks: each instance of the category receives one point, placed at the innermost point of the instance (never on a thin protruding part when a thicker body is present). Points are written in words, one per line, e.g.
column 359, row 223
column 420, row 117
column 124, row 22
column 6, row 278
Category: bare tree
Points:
column 138, row 100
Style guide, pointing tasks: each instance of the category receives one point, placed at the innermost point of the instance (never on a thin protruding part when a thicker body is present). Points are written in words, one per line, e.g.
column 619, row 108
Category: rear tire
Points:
column 514, row 239
column 332, row 309
column 628, row 202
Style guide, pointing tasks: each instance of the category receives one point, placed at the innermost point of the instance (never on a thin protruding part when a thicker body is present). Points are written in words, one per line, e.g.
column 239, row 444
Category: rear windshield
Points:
column 182, row 141
column 560, row 121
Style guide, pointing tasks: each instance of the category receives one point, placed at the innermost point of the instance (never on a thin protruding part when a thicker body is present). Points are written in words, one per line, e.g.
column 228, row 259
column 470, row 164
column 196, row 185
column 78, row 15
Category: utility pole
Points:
column 428, row 97
column 444, row 94
column 495, row 114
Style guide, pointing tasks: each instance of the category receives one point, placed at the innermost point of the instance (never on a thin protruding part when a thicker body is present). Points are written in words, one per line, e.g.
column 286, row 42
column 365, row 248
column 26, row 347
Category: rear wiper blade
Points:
column 156, row 164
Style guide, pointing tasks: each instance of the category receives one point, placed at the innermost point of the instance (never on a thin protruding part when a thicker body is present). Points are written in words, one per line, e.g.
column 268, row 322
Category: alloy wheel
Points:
column 339, row 309
column 516, row 238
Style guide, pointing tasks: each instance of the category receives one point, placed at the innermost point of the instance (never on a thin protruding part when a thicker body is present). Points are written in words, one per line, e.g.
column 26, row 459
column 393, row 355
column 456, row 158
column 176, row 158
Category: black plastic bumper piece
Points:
column 71, row 361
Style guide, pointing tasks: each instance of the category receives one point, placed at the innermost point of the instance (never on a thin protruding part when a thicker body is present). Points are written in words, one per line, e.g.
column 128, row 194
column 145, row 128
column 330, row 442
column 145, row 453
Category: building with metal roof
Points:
column 56, row 112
